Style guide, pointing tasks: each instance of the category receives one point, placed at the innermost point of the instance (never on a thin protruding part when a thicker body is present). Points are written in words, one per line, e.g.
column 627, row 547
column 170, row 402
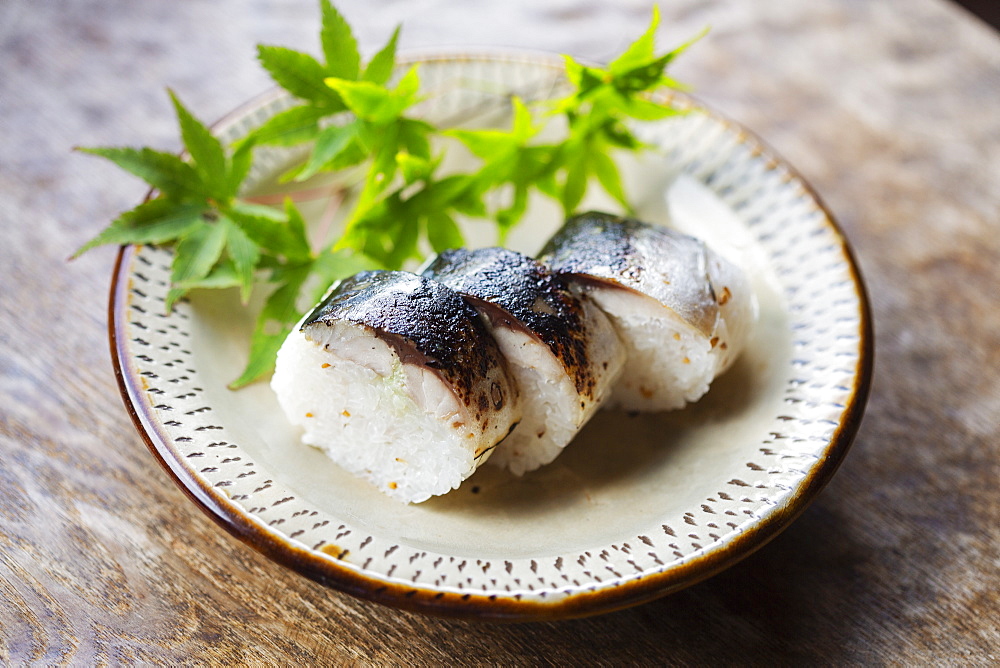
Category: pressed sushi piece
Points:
column 397, row 379
column 683, row 312
column 562, row 350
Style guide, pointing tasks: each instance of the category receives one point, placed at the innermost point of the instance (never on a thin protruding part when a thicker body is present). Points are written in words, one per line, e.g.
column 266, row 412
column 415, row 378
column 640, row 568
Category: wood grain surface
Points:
column 889, row 108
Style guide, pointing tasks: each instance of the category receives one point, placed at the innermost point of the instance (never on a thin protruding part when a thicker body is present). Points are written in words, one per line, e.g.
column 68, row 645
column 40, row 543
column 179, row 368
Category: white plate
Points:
column 638, row 506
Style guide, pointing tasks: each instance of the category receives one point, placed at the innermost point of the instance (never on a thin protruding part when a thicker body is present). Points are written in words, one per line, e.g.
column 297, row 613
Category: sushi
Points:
column 413, row 381
column 683, row 312
column 395, row 377
column 562, row 350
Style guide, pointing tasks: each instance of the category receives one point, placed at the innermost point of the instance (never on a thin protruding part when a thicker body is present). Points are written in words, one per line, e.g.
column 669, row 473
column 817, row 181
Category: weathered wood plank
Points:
column 889, row 109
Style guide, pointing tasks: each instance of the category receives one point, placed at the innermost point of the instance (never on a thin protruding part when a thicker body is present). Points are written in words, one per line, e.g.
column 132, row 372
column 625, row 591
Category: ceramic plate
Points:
column 637, row 506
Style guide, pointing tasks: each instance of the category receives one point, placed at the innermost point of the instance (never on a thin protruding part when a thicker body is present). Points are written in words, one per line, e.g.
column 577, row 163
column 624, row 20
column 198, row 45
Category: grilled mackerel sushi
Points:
column 562, row 350
column 397, row 379
column 682, row 311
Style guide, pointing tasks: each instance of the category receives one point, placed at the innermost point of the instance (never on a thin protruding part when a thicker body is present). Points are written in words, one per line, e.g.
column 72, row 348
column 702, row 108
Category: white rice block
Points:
column 554, row 410
column 669, row 362
column 412, row 399
column 682, row 311
column 395, row 425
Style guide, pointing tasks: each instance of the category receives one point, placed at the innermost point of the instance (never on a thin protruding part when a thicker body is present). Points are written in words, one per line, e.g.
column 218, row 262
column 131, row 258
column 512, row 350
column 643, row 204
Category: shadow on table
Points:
column 793, row 599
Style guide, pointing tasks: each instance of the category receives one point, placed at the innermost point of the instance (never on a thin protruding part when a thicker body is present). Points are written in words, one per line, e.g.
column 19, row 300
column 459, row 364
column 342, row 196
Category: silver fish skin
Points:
column 665, row 265
column 683, row 312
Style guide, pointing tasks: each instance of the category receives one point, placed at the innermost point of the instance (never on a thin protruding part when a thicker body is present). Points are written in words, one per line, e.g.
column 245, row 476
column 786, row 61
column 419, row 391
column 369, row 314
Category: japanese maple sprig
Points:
column 510, row 159
column 220, row 239
column 403, row 198
column 400, row 198
column 598, row 111
column 390, row 218
column 305, row 77
column 351, row 117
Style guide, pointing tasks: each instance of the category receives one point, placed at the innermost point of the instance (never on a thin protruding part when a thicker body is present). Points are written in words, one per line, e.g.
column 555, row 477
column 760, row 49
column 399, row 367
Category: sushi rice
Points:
column 407, row 384
column 385, row 397
column 683, row 312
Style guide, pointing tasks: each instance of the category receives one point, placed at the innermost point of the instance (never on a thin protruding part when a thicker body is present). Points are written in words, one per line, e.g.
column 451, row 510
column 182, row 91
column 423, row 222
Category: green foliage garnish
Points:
column 220, row 240
column 352, row 117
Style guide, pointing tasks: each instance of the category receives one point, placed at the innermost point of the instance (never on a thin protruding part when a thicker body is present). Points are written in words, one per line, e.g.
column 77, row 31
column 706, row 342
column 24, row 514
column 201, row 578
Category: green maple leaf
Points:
column 354, row 118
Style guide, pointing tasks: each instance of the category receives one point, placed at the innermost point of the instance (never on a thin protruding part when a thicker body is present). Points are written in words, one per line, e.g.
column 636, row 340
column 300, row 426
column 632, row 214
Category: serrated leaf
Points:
column 261, row 210
column 365, row 99
column 263, row 352
column 470, row 201
column 330, row 143
column 382, row 63
column 602, row 105
column 646, row 110
column 290, row 127
column 299, row 251
column 154, row 222
column 383, row 166
column 574, row 70
column 548, row 185
column 485, row 144
column 375, row 103
column 298, row 73
column 239, row 166
column 414, row 137
column 443, row 232
column 408, row 86
column 678, row 50
column 274, row 323
column 349, row 157
column 244, row 255
column 536, row 161
column 641, row 51
column 510, row 216
column 164, row 171
column 205, row 149
column 644, row 77
column 461, row 192
column 223, row 275
column 649, row 75
column 670, row 82
column 609, row 178
column 414, row 168
column 617, row 135
column 575, row 184
column 269, row 229
column 586, row 80
column 404, row 242
column 194, row 257
column 375, row 229
column 339, row 46
column 522, row 128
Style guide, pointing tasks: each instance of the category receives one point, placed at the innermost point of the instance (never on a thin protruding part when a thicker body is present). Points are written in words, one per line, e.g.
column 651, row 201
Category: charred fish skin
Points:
column 663, row 264
column 428, row 325
column 562, row 349
column 519, row 292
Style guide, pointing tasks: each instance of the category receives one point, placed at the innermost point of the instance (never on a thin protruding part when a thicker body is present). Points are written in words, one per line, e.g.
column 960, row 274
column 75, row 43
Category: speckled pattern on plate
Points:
column 637, row 507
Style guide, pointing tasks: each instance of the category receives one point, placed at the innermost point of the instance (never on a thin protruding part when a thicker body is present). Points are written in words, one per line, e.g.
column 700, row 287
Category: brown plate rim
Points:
column 496, row 607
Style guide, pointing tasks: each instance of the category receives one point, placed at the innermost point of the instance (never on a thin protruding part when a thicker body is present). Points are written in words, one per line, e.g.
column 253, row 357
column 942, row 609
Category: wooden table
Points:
column 891, row 109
